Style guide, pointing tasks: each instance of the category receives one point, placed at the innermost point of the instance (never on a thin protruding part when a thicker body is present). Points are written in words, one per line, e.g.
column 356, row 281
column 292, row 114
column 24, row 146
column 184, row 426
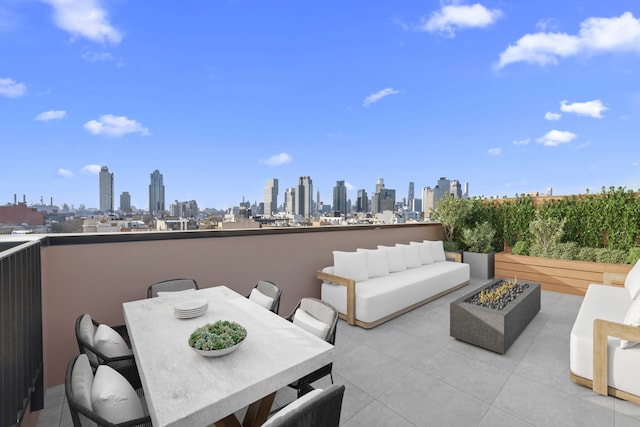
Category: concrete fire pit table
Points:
column 491, row 328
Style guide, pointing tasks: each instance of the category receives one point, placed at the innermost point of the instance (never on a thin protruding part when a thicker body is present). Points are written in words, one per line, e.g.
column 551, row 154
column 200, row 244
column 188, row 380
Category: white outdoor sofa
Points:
column 603, row 351
column 370, row 286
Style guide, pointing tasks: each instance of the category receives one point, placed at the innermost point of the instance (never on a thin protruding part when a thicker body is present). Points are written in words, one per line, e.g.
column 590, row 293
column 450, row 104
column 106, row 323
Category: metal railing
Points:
column 21, row 360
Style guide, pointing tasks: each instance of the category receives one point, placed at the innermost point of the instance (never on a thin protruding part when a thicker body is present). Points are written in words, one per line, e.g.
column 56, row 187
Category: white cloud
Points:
column 11, row 88
column 547, row 24
column 590, row 108
column 456, row 16
column 373, row 98
column 553, row 138
column 552, row 116
column 116, row 126
column 51, row 115
column 278, row 160
column 64, row 173
column 84, row 18
column 91, row 169
column 522, row 141
column 596, row 35
column 494, row 151
column 349, row 186
column 91, row 56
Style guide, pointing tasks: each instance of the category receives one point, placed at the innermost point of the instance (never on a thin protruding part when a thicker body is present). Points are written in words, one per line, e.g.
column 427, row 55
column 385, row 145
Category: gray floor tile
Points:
column 376, row 415
column 627, row 409
column 545, row 406
column 498, row 418
column 426, row 401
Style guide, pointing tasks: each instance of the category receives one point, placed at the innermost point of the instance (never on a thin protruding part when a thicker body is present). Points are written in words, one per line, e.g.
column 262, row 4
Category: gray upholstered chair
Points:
column 171, row 285
column 317, row 408
column 270, row 290
column 78, row 384
column 323, row 312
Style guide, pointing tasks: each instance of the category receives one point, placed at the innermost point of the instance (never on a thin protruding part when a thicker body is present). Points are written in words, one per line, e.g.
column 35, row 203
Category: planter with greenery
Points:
column 479, row 254
column 452, row 212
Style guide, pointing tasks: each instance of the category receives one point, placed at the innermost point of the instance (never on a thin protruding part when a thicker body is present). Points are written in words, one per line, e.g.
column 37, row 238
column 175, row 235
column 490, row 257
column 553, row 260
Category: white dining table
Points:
column 183, row 388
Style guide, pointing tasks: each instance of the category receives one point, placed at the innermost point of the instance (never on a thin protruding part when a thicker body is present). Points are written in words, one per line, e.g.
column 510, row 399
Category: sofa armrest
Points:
column 453, row 256
column 602, row 329
column 615, row 279
column 351, row 292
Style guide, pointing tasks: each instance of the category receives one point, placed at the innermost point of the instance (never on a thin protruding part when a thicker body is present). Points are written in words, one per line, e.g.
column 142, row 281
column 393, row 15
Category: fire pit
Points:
column 493, row 316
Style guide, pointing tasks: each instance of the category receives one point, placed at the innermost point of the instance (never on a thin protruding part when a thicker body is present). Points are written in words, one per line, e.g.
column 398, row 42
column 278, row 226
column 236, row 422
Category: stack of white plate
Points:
column 190, row 309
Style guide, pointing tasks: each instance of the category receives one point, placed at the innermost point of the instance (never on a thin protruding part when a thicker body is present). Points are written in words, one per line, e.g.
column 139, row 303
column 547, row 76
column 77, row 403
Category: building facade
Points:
column 106, row 190
column 304, row 197
column 125, row 201
column 271, row 197
column 340, row 198
column 156, row 193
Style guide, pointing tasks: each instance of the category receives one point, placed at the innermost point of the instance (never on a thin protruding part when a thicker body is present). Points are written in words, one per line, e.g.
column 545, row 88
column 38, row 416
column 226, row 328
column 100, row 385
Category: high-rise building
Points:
column 304, row 197
column 410, row 195
column 340, row 198
column 125, row 202
column 387, row 200
column 184, row 209
column 106, row 190
column 456, row 188
column 290, row 200
column 428, row 201
column 156, row 193
column 271, row 197
column 362, row 204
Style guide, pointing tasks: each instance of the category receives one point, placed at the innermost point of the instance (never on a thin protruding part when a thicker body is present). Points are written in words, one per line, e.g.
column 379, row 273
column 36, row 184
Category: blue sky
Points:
column 220, row 96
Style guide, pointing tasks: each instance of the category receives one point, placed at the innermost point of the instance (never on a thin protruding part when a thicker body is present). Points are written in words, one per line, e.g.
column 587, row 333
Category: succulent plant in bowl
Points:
column 217, row 336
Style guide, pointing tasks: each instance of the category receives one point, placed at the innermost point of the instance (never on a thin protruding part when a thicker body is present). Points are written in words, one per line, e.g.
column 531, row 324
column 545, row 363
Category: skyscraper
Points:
column 410, row 196
column 340, row 198
column 106, row 190
column 362, row 204
column 290, row 200
column 156, row 193
column 304, row 197
column 271, row 197
column 125, row 201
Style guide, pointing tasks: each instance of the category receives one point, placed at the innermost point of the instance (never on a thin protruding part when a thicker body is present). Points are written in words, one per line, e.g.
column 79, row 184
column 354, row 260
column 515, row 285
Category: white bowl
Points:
column 215, row 353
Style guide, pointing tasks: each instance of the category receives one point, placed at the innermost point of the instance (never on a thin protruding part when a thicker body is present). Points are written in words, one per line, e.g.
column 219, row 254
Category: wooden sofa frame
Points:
column 602, row 329
column 350, row 315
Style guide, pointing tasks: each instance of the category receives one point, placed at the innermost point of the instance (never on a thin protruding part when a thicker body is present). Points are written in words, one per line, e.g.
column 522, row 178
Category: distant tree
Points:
column 452, row 212
column 73, row 226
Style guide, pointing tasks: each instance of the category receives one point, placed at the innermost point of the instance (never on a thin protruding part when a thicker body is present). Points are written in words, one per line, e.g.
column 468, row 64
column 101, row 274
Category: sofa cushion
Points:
column 82, row 380
column 395, row 258
column 377, row 265
column 426, row 256
column 437, row 250
column 632, row 281
column 113, row 398
column 631, row 318
column 411, row 255
column 351, row 264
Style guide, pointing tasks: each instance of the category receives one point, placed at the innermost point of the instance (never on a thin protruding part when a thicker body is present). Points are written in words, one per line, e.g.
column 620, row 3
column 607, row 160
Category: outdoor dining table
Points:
column 183, row 388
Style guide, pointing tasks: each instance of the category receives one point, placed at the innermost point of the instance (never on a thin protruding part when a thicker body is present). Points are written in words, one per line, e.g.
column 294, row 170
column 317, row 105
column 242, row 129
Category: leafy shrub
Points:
column 479, row 238
column 568, row 250
column 546, row 234
column 633, row 256
column 520, row 248
column 452, row 212
column 587, row 254
column 450, row 246
column 611, row 256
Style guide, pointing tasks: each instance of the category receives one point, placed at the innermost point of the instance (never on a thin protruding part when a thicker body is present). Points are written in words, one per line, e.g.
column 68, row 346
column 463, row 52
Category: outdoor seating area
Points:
column 410, row 372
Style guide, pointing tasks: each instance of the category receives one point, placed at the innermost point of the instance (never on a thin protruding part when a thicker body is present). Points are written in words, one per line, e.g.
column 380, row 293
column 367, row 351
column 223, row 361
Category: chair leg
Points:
column 331, row 375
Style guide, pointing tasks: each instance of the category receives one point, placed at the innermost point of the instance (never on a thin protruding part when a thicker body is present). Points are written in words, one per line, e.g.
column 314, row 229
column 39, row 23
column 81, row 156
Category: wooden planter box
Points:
column 558, row 275
column 490, row 328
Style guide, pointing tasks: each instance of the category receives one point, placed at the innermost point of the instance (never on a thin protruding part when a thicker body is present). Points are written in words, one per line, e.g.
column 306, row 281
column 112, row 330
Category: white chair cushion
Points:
column 174, row 293
column 437, row 250
column 631, row 318
column 261, row 299
column 86, row 330
column 109, row 342
column 82, row 380
column 411, row 255
column 395, row 258
column 351, row 264
column 310, row 324
column 113, row 398
column 293, row 405
column 377, row 265
column 426, row 255
column 632, row 281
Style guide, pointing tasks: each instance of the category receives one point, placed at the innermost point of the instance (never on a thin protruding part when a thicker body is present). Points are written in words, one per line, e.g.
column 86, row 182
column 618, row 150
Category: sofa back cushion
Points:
column 631, row 318
column 377, row 264
column 426, row 257
column 411, row 255
column 632, row 281
column 351, row 264
column 437, row 250
column 395, row 258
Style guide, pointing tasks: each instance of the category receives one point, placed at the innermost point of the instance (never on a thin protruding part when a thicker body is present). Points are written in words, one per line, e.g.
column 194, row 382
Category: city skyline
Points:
column 513, row 97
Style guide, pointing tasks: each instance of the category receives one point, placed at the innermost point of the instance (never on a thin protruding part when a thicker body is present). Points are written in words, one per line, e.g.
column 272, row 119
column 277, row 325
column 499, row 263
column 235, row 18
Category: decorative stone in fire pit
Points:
column 494, row 315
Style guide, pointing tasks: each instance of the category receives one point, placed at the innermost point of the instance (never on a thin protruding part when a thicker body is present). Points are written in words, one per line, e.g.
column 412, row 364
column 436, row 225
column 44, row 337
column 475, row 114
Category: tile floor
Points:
column 410, row 372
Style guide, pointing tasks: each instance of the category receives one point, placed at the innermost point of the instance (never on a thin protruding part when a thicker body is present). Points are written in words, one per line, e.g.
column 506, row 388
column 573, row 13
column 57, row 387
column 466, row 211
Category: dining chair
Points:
column 120, row 401
column 318, row 408
column 107, row 345
column 321, row 319
column 267, row 294
column 171, row 285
